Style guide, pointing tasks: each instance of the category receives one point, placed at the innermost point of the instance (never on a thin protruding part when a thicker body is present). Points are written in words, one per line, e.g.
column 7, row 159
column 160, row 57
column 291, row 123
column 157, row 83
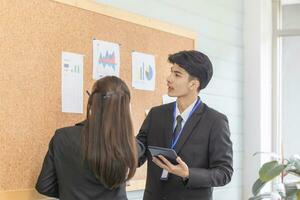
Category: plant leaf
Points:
column 294, row 163
column 298, row 195
column 261, row 196
column 291, row 189
column 297, row 166
column 270, row 170
column 257, row 186
column 294, row 172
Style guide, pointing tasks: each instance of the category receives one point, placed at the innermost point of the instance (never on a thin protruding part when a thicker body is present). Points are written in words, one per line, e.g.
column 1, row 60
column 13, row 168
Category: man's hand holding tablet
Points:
column 167, row 159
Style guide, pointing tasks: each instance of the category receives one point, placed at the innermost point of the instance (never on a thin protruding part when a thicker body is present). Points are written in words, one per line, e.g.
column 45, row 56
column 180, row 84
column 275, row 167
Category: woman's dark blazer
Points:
column 65, row 176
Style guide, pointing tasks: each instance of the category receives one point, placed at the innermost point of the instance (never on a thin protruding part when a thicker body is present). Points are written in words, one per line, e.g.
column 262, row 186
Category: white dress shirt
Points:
column 185, row 114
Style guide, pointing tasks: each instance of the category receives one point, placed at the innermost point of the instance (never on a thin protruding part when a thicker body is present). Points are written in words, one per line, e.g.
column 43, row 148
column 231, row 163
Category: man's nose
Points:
column 169, row 78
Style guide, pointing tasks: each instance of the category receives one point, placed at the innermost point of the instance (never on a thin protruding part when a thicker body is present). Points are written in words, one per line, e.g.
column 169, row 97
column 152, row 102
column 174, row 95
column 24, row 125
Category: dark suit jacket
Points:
column 204, row 145
column 64, row 175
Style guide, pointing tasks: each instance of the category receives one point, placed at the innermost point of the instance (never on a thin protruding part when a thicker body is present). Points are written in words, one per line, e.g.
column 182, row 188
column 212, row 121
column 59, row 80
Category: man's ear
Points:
column 198, row 84
column 194, row 84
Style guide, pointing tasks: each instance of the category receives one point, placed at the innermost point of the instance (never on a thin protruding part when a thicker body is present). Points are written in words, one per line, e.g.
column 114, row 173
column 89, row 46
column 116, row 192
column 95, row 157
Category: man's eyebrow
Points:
column 176, row 71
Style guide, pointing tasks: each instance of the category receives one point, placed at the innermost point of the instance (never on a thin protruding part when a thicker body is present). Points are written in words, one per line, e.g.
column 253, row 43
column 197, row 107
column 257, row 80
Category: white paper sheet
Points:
column 143, row 71
column 106, row 59
column 72, row 82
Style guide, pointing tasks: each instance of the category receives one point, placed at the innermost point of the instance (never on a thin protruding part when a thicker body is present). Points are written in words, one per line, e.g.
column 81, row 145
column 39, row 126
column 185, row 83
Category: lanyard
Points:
column 174, row 142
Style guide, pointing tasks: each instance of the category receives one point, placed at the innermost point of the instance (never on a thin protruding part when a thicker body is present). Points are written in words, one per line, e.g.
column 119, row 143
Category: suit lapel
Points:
column 169, row 120
column 189, row 127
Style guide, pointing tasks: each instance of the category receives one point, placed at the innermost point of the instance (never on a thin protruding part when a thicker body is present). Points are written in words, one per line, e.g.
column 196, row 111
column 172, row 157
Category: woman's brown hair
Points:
column 108, row 142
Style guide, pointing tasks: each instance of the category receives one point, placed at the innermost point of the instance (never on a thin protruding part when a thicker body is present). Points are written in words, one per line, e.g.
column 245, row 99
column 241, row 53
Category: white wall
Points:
column 257, row 88
column 219, row 25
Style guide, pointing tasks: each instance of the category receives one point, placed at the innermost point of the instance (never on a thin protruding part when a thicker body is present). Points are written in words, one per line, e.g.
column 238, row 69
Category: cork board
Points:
column 33, row 35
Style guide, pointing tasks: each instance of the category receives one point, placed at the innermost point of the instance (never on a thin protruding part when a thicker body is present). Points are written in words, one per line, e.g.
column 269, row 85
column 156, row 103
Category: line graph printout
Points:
column 143, row 71
column 106, row 59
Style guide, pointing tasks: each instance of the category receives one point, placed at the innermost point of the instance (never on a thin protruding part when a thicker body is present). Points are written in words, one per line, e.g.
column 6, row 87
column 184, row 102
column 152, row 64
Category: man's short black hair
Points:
column 197, row 64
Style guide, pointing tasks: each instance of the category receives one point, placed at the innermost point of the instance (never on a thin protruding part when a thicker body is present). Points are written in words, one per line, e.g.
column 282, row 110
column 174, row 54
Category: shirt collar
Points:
column 185, row 114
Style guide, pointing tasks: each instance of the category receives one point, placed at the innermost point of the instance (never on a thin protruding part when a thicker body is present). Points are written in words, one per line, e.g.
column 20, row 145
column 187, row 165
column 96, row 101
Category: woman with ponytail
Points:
column 93, row 159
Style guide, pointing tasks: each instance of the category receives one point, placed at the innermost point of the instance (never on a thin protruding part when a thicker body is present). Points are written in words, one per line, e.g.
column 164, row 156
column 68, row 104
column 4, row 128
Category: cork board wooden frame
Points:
column 33, row 35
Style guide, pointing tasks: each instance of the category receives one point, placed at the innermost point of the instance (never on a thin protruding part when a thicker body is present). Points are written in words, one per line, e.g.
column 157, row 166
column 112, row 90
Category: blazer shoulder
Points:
column 213, row 114
column 66, row 133
column 162, row 108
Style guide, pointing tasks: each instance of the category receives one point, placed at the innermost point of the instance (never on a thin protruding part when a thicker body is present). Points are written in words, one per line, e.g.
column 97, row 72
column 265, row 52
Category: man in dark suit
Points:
column 199, row 135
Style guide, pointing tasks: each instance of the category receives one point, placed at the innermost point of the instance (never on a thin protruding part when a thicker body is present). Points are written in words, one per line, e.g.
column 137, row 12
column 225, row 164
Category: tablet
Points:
column 169, row 154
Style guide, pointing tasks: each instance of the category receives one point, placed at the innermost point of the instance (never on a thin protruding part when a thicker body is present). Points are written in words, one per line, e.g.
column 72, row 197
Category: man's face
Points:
column 178, row 82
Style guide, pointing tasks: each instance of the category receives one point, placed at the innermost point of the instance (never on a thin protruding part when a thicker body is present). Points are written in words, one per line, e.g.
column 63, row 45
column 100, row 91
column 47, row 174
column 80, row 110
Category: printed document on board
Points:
column 72, row 82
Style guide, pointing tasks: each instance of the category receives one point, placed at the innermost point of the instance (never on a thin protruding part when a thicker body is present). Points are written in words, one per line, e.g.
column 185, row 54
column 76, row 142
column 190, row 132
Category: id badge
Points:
column 164, row 175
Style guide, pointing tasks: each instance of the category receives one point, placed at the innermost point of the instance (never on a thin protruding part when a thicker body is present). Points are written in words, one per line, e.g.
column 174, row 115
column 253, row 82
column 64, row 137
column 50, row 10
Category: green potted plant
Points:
column 287, row 190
